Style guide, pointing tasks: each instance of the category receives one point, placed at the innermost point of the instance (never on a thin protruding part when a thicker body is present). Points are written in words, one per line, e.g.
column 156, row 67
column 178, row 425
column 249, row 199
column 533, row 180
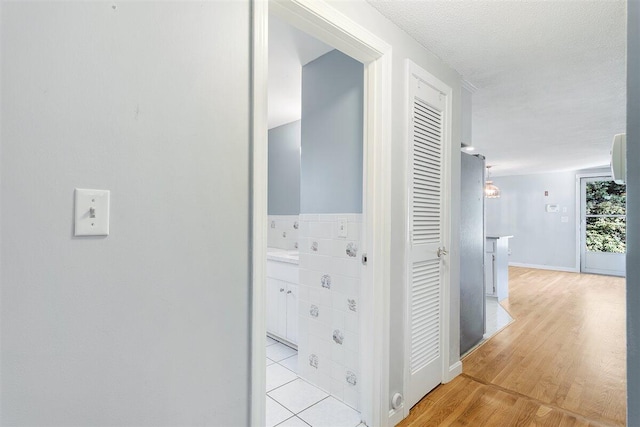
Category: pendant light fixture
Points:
column 490, row 190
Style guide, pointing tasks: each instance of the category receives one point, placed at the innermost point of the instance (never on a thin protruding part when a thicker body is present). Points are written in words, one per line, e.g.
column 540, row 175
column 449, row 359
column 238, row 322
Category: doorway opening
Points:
column 320, row 21
column 315, row 187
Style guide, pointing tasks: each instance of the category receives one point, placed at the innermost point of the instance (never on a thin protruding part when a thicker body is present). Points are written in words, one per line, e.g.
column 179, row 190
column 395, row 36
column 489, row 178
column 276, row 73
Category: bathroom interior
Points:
column 314, row 224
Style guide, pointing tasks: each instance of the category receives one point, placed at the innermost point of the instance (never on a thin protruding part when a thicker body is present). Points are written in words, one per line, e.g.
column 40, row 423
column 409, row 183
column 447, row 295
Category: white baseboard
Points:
column 454, row 371
column 395, row 416
column 544, row 267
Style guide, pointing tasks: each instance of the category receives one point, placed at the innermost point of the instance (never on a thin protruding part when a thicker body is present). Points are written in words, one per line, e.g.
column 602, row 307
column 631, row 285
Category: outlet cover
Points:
column 342, row 227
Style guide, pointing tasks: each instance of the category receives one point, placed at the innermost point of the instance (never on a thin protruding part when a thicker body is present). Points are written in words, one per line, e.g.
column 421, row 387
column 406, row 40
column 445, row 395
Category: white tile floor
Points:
column 497, row 317
column 293, row 402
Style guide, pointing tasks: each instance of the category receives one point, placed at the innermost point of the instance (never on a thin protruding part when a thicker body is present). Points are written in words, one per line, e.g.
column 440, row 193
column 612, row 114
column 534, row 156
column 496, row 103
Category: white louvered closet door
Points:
column 424, row 270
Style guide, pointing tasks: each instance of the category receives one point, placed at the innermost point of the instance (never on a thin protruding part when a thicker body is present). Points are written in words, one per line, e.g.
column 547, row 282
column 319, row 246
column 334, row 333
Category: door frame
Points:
column 604, row 174
column 325, row 23
column 579, row 177
column 578, row 210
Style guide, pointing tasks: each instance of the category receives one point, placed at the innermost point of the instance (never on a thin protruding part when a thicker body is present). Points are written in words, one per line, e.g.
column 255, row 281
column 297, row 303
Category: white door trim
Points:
column 581, row 252
column 578, row 209
column 448, row 372
column 258, row 153
column 322, row 21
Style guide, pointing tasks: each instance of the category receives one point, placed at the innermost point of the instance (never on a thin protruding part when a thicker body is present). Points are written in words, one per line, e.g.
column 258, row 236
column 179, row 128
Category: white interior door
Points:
column 426, row 243
column 602, row 226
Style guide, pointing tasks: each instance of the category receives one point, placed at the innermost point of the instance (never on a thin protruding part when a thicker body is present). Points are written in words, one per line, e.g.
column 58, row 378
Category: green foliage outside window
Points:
column 606, row 233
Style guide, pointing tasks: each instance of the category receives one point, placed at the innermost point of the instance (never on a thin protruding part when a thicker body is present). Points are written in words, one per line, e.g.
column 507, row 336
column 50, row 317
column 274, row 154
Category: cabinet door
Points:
column 272, row 305
column 292, row 313
column 277, row 307
column 281, row 315
column 501, row 269
column 489, row 277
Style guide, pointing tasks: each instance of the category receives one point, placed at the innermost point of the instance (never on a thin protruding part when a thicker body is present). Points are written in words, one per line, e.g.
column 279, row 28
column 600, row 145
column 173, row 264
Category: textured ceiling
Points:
column 550, row 75
column 289, row 50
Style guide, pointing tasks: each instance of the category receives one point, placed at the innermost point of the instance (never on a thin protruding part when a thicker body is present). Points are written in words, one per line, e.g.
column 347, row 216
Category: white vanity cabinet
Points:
column 282, row 298
column 496, row 266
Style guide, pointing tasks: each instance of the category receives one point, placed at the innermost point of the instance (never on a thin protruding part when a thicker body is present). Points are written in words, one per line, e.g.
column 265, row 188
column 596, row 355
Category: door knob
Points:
column 441, row 251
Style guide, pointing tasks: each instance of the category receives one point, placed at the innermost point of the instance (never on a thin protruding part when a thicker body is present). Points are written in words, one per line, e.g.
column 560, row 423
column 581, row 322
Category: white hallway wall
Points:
column 149, row 100
column 540, row 239
column 148, row 326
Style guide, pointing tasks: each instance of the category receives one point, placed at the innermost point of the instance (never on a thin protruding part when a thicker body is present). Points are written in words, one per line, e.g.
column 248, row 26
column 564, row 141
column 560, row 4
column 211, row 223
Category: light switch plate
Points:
column 91, row 212
column 342, row 227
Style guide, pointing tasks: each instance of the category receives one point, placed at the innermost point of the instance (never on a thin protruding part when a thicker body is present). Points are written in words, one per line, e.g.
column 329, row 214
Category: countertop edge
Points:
column 283, row 255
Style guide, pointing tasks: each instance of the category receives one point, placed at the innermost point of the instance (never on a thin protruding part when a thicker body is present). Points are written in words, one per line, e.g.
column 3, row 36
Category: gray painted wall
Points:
column 540, row 237
column 148, row 326
column 332, row 131
column 633, row 211
column 467, row 130
column 284, row 169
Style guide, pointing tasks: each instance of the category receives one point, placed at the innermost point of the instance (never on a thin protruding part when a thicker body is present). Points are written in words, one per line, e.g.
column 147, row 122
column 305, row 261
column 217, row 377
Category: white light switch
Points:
column 91, row 212
column 342, row 227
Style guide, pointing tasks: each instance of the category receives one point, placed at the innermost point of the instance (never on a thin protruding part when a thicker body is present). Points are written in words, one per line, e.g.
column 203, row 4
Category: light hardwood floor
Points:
column 560, row 363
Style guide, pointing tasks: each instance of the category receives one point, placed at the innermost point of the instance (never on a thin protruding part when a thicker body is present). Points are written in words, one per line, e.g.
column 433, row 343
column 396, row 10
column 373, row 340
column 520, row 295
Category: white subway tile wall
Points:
column 283, row 231
column 328, row 334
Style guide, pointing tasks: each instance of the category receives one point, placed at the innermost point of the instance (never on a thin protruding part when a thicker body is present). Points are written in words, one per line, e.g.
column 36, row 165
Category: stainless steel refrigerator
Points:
column 472, row 304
